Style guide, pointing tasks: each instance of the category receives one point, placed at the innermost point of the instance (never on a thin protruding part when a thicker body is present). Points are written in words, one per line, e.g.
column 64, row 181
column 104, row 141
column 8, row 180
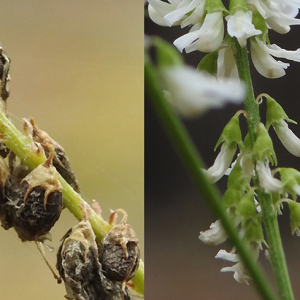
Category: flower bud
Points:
column 263, row 146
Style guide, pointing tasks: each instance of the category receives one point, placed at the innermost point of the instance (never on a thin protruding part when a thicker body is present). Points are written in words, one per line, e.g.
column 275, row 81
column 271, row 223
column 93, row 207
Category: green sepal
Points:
column 212, row 6
column 289, row 178
column 237, row 5
column 275, row 113
column 277, row 202
column 294, row 215
column 254, row 232
column 263, row 146
column 246, row 207
column 167, row 54
column 247, row 143
column 237, row 178
column 209, row 63
column 232, row 197
column 231, row 134
column 259, row 23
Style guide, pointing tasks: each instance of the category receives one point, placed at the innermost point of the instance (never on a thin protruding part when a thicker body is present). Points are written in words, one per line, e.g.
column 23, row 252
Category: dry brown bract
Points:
column 60, row 159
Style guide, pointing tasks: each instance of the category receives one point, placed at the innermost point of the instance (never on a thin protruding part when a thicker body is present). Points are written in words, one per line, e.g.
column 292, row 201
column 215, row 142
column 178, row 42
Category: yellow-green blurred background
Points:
column 77, row 70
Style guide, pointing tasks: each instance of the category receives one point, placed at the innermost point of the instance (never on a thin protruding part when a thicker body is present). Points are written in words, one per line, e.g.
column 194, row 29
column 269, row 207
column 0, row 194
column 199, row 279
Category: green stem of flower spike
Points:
column 193, row 162
column 268, row 212
column 22, row 147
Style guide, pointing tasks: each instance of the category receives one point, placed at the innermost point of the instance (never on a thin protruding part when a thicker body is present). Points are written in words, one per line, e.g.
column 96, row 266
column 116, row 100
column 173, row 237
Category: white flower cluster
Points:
column 206, row 21
column 239, row 199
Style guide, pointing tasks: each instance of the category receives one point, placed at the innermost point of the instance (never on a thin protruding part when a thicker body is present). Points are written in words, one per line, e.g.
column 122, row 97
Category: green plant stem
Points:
column 194, row 164
column 22, row 146
column 275, row 246
column 268, row 212
column 241, row 58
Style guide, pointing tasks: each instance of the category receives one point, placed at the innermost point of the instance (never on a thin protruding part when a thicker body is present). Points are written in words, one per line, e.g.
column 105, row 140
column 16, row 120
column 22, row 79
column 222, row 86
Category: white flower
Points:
column 289, row 140
column 245, row 161
column 216, row 234
column 206, row 37
column 265, row 64
column 168, row 14
column 196, row 16
column 226, row 64
column 240, row 273
column 221, row 164
column 278, row 14
column 240, row 26
column 193, row 92
column 266, row 180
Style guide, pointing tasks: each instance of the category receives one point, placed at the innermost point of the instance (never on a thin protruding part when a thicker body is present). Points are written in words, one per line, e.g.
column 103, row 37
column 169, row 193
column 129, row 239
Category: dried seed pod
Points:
column 119, row 253
column 4, row 150
column 60, row 160
column 79, row 267
column 34, row 200
column 4, row 74
column 5, row 216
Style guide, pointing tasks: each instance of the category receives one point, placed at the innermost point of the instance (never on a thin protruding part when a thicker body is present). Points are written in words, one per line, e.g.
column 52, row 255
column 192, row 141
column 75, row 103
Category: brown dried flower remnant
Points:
column 4, row 74
column 119, row 253
column 79, row 267
column 33, row 201
column 4, row 213
column 60, row 160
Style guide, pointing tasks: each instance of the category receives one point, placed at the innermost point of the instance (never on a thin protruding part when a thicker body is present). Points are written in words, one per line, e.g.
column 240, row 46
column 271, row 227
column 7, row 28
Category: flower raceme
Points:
column 245, row 20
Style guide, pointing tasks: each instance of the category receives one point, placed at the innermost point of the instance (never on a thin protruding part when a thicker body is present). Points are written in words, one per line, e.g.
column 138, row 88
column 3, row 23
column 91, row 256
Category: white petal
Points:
column 180, row 12
column 187, row 39
column 192, row 93
column 215, row 235
column 221, row 164
column 266, row 180
column 206, row 38
column 195, row 17
column 240, row 26
column 289, row 140
column 223, row 254
column 264, row 63
column 156, row 17
column 279, row 52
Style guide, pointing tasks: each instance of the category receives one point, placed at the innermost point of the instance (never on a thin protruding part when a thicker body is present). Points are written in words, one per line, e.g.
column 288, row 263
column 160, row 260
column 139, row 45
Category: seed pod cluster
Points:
column 81, row 269
column 4, row 74
column 60, row 159
column 32, row 201
column 119, row 252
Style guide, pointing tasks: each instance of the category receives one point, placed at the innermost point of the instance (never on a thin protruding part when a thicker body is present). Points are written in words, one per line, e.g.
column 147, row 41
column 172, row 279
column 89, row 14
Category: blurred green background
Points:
column 77, row 70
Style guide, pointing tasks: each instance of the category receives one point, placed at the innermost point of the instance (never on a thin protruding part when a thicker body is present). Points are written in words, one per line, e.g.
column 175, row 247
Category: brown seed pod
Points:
column 5, row 217
column 4, row 74
column 34, row 200
column 60, row 159
column 4, row 150
column 119, row 253
column 79, row 267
